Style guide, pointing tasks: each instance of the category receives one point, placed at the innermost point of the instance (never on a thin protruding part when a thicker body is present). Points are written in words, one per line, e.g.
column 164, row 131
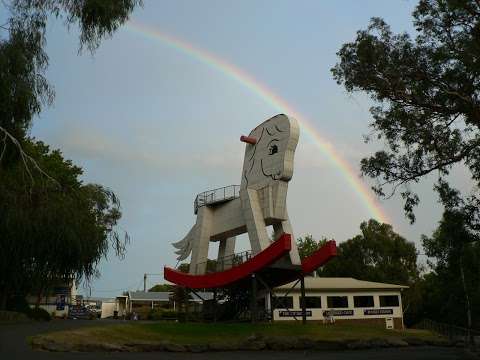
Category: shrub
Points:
column 39, row 314
column 155, row 314
column 169, row 314
column 12, row 316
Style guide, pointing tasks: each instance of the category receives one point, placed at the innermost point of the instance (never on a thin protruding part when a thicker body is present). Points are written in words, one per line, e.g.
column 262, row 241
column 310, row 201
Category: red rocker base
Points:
column 260, row 262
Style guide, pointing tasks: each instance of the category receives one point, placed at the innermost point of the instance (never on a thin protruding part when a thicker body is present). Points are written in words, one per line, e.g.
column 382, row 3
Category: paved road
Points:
column 13, row 346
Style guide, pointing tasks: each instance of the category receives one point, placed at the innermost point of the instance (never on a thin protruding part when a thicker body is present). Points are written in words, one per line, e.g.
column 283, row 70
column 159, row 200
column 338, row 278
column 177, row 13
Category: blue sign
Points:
column 378, row 312
column 60, row 302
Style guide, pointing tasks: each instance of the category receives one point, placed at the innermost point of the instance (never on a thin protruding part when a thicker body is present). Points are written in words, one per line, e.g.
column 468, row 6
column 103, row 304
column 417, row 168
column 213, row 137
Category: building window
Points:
column 389, row 300
column 337, row 301
column 312, row 302
column 284, row 302
column 363, row 301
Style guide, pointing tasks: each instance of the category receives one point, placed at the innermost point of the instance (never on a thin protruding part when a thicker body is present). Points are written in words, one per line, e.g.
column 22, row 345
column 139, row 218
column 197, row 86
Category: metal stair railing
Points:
column 214, row 196
column 226, row 262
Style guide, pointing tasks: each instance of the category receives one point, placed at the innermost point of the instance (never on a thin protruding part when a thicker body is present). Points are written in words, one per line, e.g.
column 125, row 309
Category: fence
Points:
column 225, row 263
column 454, row 333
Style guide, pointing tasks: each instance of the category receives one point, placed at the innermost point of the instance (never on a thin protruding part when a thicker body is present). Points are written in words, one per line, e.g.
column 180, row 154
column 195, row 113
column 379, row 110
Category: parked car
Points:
column 81, row 312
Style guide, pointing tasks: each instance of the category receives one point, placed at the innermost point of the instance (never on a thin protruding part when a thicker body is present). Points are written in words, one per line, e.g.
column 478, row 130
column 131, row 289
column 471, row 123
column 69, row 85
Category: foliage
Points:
column 161, row 314
column 12, row 316
column 39, row 314
column 154, row 314
column 377, row 254
column 52, row 231
column 308, row 245
column 427, row 94
column 453, row 287
column 161, row 288
column 23, row 87
column 23, row 60
column 53, row 226
column 381, row 255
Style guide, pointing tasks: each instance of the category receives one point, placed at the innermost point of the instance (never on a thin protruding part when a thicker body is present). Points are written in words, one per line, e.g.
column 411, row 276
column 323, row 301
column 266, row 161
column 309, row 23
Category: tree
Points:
column 455, row 279
column 53, row 227
column 52, row 231
column 161, row 288
column 308, row 245
column 24, row 90
column 427, row 95
column 377, row 254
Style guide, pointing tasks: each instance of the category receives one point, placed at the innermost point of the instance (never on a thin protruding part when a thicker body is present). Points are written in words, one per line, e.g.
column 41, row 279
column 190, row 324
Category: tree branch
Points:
column 26, row 159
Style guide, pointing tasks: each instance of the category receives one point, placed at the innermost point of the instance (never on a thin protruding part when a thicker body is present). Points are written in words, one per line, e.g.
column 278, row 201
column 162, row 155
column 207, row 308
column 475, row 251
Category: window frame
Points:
column 390, row 296
column 338, row 307
column 281, row 299
column 311, row 297
column 363, row 296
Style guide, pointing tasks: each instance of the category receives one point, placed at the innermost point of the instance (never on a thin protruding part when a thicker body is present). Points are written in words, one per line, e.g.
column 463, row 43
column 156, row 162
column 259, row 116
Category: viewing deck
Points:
column 216, row 196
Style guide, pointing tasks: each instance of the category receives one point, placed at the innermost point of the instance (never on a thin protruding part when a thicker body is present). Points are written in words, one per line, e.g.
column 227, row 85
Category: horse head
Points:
column 270, row 151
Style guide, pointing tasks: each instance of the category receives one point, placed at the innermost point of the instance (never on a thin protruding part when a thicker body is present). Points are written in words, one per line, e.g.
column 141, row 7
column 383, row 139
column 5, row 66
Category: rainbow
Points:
column 274, row 100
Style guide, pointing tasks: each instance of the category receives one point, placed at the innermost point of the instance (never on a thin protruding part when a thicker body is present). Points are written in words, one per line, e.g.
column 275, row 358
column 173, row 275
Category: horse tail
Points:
column 184, row 246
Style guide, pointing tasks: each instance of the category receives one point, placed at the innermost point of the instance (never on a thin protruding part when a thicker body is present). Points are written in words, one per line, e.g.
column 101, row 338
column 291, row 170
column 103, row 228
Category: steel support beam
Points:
column 303, row 300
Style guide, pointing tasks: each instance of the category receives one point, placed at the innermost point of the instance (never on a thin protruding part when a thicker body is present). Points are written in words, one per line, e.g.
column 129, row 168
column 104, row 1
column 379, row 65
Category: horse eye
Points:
column 273, row 150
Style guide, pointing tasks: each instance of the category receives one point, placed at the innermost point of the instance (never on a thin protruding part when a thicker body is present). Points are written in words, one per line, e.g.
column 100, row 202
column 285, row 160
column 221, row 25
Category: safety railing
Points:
column 214, row 196
column 224, row 263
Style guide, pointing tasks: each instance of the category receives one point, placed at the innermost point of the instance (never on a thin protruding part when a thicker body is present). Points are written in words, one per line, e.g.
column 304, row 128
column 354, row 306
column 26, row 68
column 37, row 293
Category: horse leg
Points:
column 285, row 227
column 198, row 263
column 253, row 215
column 226, row 249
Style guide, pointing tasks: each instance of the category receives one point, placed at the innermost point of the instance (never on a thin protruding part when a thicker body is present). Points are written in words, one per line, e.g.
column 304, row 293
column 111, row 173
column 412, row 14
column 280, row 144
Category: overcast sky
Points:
column 158, row 126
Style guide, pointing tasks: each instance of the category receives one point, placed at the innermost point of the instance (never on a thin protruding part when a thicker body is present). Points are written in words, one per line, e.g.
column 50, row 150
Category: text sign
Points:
column 338, row 313
column 378, row 312
column 291, row 313
column 60, row 302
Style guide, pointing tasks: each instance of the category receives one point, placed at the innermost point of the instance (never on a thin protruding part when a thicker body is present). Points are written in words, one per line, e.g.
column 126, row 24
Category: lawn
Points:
column 202, row 334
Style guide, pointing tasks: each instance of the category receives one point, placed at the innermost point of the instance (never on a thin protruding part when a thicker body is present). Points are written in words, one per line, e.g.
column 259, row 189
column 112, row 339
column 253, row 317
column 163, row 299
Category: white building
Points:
column 141, row 302
column 57, row 301
column 341, row 299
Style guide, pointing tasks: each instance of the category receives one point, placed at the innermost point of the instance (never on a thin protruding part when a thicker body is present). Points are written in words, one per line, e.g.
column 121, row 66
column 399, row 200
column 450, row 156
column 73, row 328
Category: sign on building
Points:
column 293, row 313
column 338, row 313
column 378, row 312
column 60, row 302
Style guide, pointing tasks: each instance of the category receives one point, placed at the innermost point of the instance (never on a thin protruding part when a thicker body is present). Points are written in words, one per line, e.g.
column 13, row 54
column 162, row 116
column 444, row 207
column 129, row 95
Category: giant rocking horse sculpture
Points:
column 260, row 201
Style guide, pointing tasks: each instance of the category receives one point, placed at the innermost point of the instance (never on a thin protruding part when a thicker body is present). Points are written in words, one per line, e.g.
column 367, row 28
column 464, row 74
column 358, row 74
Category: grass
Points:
column 197, row 333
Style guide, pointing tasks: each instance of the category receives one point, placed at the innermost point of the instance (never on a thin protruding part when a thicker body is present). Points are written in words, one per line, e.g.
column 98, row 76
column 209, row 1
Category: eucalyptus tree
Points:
column 426, row 90
column 24, row 89
column 53, row 231
column 454, row 284
column 52, row 226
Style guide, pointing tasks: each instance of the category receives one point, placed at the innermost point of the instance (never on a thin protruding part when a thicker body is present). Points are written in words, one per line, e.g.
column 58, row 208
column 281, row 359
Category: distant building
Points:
column 341, row 300
column 141, row 302
column 57, row 300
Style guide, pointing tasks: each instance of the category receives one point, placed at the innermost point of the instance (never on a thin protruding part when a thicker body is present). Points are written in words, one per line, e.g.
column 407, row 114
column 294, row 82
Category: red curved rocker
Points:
column 259, row 262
